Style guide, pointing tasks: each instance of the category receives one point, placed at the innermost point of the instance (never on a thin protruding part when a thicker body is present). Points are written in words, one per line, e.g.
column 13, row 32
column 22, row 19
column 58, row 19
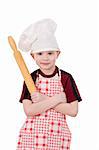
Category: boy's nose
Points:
column 45, row 56
column 45, row 59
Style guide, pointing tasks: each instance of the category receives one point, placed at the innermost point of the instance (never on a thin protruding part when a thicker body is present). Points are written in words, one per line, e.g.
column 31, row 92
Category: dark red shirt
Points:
column 69, row 85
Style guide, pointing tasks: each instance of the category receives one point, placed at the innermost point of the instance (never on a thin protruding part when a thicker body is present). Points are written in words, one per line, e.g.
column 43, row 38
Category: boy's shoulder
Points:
column 34, row 74
column 66, row 77
column 65, row 74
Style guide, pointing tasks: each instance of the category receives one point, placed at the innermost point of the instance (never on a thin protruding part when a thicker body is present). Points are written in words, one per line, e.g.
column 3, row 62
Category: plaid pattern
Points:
column 49, row 130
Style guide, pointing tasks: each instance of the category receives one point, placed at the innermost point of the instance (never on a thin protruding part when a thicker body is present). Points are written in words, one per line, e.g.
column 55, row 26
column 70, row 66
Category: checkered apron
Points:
column 49, row 130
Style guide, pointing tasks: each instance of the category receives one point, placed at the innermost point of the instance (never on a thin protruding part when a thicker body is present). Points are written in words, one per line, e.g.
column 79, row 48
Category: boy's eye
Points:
column 39, row 53
column 50, row 53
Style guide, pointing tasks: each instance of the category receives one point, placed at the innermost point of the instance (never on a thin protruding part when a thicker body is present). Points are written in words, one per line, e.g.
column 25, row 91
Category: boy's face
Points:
column 46, row 59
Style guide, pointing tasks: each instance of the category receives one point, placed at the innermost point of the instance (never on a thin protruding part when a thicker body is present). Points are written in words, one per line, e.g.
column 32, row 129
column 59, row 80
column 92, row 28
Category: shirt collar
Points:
column 51, row 75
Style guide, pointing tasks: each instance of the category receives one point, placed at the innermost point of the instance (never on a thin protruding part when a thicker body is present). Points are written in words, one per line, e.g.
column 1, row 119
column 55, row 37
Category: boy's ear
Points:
column 32, row 55
column 58, row 52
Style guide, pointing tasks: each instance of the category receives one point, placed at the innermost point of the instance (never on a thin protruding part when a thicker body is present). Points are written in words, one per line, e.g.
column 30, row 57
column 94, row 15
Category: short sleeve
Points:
column 25, row 93
column 71, row 90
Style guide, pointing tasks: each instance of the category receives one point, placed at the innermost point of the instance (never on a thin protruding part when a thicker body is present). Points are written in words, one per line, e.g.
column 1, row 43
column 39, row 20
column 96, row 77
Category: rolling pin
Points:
column 23, row 68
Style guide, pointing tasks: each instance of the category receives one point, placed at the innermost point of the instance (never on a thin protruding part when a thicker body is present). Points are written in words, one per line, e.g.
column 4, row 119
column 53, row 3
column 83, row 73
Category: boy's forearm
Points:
column 67, row 109
column 40, row 107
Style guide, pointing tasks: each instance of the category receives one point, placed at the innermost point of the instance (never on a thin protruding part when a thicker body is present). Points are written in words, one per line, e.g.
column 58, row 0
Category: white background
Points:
column 77, row 36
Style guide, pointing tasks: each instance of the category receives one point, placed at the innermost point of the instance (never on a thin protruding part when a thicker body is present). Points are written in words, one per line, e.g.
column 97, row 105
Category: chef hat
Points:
column 39, row 37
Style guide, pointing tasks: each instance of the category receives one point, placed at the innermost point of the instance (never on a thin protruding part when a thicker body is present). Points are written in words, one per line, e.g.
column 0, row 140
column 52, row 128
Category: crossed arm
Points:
column 44, row 103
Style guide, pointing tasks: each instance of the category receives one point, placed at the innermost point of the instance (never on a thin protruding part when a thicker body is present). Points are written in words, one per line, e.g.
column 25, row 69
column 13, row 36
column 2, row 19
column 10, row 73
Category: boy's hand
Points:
column 37, row 97
column 61, row 97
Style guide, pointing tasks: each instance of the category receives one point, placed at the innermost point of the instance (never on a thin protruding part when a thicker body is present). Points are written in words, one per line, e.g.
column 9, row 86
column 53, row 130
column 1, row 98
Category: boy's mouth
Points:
column 44, row 63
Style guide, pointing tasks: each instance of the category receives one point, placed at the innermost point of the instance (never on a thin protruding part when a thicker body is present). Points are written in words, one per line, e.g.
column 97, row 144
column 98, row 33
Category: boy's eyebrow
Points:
column 45, row 52
column 50, row 51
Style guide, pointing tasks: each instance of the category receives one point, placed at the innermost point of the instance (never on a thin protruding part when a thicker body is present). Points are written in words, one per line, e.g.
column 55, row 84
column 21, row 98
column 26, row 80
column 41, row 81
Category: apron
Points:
column 49, row 130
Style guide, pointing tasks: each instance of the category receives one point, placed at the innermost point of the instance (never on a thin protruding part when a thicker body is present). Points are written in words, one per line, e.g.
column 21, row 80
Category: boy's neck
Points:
column 49, row 71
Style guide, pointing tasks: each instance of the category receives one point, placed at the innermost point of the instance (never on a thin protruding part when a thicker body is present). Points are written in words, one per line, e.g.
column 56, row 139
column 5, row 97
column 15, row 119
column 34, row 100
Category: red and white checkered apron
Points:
column 49, row 130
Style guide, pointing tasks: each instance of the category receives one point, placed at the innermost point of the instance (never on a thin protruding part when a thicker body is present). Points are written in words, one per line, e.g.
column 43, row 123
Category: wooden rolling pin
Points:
column 23, row 68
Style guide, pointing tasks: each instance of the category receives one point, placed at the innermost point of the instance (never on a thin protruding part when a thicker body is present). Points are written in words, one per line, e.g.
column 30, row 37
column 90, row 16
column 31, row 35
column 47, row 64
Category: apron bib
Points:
column 49, row 130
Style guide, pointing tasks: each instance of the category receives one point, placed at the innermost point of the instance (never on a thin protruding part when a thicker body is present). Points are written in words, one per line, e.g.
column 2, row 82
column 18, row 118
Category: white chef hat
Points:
column 39, row 37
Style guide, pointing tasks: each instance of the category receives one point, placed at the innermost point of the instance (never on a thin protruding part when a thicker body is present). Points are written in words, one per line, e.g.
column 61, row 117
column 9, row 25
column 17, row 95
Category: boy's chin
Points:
column 46, row 66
